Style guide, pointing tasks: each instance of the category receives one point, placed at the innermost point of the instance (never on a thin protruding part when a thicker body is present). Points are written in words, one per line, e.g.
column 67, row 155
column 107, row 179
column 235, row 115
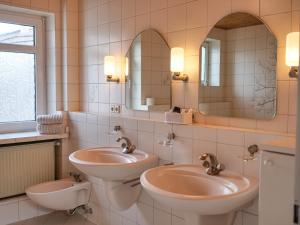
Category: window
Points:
column 204, row 64
column 22, row 94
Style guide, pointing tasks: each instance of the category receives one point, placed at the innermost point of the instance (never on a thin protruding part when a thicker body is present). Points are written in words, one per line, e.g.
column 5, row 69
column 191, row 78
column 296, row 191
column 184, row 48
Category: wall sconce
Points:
column 292, row 53
column 177, row 64
column 109, row 69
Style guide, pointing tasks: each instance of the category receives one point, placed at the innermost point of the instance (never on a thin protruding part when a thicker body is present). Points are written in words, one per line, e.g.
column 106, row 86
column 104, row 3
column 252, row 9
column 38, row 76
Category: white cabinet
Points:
column 276, row 197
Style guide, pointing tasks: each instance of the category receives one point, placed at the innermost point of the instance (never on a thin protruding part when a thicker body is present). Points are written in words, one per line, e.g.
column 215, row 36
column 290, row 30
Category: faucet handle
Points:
column 203, row 156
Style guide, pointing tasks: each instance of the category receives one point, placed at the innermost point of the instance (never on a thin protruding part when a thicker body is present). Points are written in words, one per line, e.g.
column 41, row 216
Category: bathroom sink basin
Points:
column 109, row 163
column 190, row 189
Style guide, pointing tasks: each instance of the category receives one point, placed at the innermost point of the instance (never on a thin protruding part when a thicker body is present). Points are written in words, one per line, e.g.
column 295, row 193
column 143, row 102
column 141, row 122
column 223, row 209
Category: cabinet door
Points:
column 276, row 197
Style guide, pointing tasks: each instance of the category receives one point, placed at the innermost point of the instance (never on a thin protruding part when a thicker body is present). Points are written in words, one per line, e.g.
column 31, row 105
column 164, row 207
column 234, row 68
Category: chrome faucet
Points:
column 128, row 147
column 213, row 167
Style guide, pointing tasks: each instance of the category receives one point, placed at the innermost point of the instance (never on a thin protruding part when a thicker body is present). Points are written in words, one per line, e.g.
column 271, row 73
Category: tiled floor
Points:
column 56, row 218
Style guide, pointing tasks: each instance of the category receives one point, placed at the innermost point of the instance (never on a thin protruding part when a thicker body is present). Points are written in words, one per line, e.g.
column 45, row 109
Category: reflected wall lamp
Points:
column 177, row 64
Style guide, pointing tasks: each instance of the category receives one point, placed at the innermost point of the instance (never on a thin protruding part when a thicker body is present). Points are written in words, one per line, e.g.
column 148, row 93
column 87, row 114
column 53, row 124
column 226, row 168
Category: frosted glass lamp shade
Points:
column 292, row 49
column 177, row 60
column 109, row 65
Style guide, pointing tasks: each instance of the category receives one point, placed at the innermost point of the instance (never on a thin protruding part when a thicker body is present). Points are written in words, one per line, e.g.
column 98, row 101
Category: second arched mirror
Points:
column 238, row 69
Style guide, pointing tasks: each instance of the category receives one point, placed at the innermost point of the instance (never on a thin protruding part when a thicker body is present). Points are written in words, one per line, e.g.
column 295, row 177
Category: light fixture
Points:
column 177, row 64
column 109, row 69
column 292, row 53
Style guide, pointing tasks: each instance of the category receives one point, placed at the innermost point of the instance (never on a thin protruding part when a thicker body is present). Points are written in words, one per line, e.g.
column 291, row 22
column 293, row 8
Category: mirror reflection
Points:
column 238, row 69
column 148, row 78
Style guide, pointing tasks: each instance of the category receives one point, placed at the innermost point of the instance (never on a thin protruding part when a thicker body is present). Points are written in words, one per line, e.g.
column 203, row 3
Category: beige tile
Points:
column 231, row 157
column 128, row 8
column 269, row 7
column 103, row 13
column 191, row 95
column 283, row 97
column 183, row 150
column 295, row 20
column 249, row 219
column 242, row 123
column 227, row 136
column 292, row 121
column 177, row 39
column 176, row 22
column 250, row 6
column 40, row 4
column 115, row 31
column 292, row 98
column 191, row 68
column 280, row 25
column 23, row 3
column 216, row 120
column 142, row 22
column 55, row 5
column 115, row 10
column 194, row 39
column 158, row 4
column 178, row 94
column 104, row 33
column 128, row 29
column 278, row 124
column 197, row 14
column 9, row 213
column 158, row 21
column 142, row 6
column 216, row 13
column 200, row 147
column 295, row 4
column 175, row 2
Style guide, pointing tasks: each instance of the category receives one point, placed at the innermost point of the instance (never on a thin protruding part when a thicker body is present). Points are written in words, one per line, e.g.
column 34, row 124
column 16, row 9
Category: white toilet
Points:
column 65, row 194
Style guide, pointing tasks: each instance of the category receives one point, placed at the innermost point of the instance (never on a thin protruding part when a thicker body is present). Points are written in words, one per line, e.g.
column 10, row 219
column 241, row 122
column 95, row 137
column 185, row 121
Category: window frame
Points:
column 38, row 50
column 204, row 71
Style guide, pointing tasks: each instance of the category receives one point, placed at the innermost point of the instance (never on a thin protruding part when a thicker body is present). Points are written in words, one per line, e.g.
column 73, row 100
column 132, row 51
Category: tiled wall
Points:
column 230, row 145
column 107, row 27
column 19, row 208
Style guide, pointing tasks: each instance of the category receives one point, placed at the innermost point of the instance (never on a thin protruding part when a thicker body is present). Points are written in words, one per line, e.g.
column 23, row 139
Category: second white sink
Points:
column 205, row 199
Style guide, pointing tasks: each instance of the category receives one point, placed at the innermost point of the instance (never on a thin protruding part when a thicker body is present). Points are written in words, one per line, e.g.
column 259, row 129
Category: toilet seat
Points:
column 61, row 194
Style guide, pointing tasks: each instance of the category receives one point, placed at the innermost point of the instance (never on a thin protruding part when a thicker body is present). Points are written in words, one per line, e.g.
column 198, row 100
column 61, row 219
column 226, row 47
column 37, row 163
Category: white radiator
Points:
column 24, row 165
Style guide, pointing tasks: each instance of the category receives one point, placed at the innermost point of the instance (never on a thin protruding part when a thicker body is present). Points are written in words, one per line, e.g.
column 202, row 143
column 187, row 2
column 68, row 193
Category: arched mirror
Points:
column 148, row 79
column 238, row 69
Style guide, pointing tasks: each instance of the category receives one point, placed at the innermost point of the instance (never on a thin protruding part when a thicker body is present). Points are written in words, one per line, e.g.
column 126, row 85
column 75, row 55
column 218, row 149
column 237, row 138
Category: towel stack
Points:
column 51, row 124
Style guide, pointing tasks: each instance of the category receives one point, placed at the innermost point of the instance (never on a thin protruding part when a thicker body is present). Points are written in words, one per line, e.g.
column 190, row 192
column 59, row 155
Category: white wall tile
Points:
column 230, row 137
column 9, row 213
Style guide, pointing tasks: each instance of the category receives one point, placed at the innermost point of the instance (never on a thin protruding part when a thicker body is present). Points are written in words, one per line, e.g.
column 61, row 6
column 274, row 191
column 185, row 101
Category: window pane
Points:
column 16, row 34
column 17, row 87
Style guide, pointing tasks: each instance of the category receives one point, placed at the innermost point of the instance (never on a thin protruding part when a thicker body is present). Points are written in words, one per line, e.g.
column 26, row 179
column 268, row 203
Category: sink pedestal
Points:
column 223, row 219
column 122, row 196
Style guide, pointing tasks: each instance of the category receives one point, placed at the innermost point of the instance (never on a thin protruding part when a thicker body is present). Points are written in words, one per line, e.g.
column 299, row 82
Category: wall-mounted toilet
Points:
column 64, row 194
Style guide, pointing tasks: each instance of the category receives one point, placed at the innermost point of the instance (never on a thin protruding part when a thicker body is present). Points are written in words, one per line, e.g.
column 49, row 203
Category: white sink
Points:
column 120, row 172
column 205, row 199
column 111, row 164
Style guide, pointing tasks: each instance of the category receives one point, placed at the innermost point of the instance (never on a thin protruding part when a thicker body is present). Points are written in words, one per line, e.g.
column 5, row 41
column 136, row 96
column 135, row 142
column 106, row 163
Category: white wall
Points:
column 108, row 27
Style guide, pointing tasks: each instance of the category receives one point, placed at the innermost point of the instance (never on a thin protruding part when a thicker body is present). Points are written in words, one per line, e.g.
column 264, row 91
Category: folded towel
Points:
column 51, row 128
column 56, row 118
